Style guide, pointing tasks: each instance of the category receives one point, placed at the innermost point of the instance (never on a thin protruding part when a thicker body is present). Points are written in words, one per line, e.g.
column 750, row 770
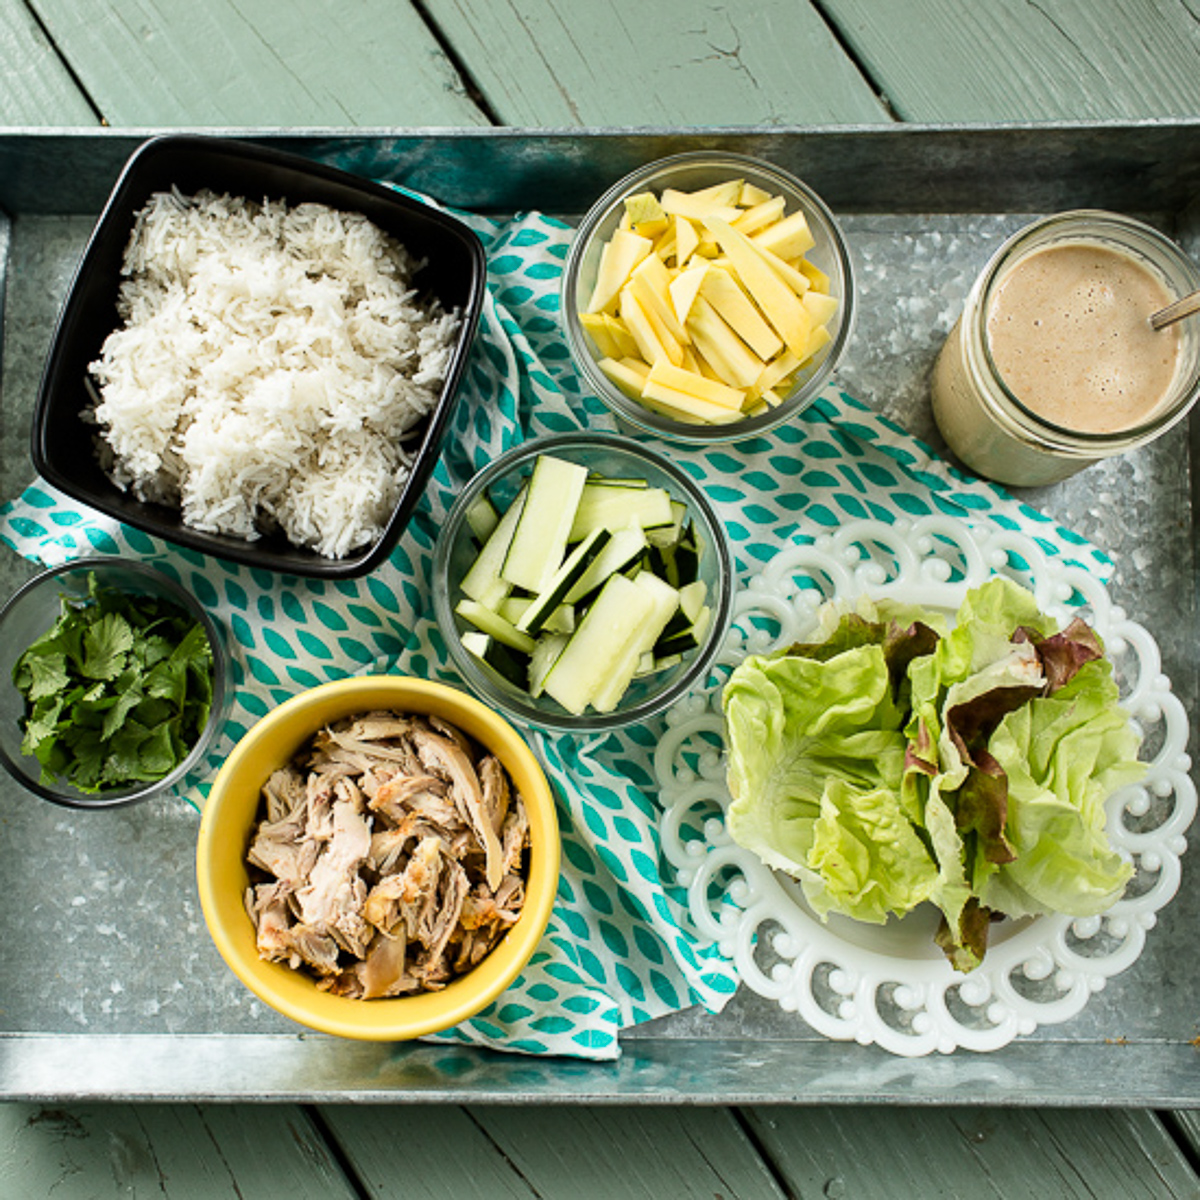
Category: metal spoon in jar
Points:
column 1184, row 307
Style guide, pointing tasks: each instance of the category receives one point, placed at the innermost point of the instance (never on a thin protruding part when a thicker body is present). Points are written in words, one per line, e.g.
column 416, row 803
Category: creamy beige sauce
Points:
column 1069, row 333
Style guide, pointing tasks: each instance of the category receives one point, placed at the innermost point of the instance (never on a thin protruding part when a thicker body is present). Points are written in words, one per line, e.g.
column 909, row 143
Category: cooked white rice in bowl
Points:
column 270, row 362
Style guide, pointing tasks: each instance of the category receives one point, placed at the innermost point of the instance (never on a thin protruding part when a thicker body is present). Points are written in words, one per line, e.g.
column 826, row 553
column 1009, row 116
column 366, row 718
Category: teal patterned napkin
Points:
column 619, row 949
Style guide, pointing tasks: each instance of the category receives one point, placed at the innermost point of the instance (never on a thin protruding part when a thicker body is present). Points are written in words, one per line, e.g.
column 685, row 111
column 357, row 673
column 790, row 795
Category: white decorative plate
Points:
column 890, row 984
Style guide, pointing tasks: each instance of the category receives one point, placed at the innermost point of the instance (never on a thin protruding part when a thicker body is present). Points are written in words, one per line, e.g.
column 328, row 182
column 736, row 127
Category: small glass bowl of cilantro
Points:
column 112, row 683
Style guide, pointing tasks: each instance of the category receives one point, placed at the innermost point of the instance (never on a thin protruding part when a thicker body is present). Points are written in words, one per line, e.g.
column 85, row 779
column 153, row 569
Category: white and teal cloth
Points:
column 619, row 949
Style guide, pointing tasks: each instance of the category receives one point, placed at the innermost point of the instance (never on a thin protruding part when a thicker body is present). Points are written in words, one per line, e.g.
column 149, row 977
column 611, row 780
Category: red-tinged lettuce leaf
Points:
column 901, row 643
column 901, row 646
column 982, row 808
column 972, row 723
column 1062, row 654
column 966, row 947
column 851, row 632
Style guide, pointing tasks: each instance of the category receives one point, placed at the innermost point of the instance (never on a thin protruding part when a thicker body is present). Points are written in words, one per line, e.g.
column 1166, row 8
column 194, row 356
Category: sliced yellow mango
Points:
column 612, row 339
column 788, row 238
column 721, row 290
column 646, row 216
column 651, row 282
column 820, row 307
column 779, row 304
column 819, row 280
column 638, row 322
column 685, row 287
column 686, row 241
column 698, row 205
column 620, row 255
column 818, row 339
column 751, row 195
column 624, row 376
column 664, row 375
column 730, row 358
column 761, row 215
column 693, row 406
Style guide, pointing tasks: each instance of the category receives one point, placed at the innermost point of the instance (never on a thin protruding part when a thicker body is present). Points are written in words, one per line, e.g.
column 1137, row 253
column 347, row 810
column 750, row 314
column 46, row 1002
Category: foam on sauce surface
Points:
column 1069, row 332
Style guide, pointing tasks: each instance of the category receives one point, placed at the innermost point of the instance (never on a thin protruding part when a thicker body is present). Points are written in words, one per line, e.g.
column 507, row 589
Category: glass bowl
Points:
column 33, row 609
column 691, row 172
column 231, row 813
column 613, row 457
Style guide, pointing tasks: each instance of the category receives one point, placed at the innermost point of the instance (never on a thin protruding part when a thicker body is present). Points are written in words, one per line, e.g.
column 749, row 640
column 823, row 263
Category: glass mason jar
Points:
column 988, row 427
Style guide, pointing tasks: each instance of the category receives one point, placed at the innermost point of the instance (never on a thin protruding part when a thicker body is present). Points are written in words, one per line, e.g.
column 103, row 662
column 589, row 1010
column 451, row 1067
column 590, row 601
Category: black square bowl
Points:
column 63, row 448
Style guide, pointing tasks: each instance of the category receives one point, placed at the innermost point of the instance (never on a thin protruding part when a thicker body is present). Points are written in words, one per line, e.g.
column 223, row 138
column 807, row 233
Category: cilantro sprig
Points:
column 117, row 691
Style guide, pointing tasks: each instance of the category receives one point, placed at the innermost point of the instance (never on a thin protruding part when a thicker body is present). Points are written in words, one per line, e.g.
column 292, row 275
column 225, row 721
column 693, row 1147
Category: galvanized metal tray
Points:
column 109, row 986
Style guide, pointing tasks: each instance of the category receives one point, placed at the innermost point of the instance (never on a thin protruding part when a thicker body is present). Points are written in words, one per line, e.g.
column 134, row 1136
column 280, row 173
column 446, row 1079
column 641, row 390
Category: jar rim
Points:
column 1084, row 225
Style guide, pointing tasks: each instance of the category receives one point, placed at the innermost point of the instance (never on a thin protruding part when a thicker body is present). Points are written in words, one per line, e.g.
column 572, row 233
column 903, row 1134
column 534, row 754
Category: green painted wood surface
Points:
column 273, row 62
column 976, row 1154
column 1015, row 60
column 560, row 1153
column 390, row 1149
column 35, row 86
column 608, row 62
column 628, row 63
column 97, row 1151
column 1185, row 1126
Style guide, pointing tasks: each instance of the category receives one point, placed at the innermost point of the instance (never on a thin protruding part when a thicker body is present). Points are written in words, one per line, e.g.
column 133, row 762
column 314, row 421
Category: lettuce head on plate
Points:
column 902, row 759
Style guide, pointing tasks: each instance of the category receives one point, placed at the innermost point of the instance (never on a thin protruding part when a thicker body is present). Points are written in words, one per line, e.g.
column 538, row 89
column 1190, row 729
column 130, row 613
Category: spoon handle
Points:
column 1174, row 312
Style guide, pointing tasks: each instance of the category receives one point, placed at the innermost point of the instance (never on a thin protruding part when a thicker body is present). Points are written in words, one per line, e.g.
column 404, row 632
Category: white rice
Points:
column 270, row 363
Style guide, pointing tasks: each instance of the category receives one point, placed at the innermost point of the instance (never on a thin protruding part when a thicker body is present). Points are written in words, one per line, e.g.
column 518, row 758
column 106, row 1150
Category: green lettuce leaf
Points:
column 898, row 760
column 1063, row 755
column 793, row 723
column 867, row 855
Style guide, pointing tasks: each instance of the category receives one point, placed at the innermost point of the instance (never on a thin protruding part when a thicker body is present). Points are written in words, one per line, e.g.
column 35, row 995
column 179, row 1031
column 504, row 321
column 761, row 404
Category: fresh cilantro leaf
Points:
column 157, row 753
column 43, row 675
column 129, row 698
column 116, row 691
column 106, row 645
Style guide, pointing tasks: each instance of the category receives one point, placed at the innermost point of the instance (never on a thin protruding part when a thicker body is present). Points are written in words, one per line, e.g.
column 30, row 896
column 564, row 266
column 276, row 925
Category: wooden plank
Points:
column 37, row 87
column 173, row 1151
column 553, row 1153
column 1185, row 1126
column 444, row 1148
column 685, row 1153
column 1012, row 60
column 628, row 63
column 273, row 62
column 1013, row 1154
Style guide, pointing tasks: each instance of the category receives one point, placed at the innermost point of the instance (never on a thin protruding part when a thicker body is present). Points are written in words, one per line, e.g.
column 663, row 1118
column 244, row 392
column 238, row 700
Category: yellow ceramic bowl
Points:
column 230, row 812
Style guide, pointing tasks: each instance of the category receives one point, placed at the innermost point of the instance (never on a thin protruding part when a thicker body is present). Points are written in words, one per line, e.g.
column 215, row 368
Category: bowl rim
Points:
column 295, row 994
column 222, row 685
column 560, row 721
column 114, row 220
column 637, row 415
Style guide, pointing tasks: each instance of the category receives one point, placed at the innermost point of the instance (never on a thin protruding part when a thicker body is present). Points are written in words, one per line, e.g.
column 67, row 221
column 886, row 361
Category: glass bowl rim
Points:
column 529, row 715
column 638, row 415
column 222, row 689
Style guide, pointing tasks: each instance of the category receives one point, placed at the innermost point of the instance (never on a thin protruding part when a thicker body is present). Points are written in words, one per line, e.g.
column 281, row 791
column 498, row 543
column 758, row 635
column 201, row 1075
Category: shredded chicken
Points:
column 389, row 858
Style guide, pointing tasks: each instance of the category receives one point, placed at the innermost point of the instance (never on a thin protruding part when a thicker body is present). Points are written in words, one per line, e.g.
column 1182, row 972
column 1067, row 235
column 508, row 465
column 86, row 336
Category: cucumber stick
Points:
column 482, row 582
column 599, row 643
column 534, row 618
column 494, row 624
column 540, row 538
column 664, row 600
column 582, row 586
column 482, row 518
column 602, row 506
column 622, row 548
column 511, row 664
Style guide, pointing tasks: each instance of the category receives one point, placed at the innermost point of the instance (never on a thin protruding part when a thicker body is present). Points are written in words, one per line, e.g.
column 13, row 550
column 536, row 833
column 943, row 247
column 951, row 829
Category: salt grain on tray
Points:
column 270, row 361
